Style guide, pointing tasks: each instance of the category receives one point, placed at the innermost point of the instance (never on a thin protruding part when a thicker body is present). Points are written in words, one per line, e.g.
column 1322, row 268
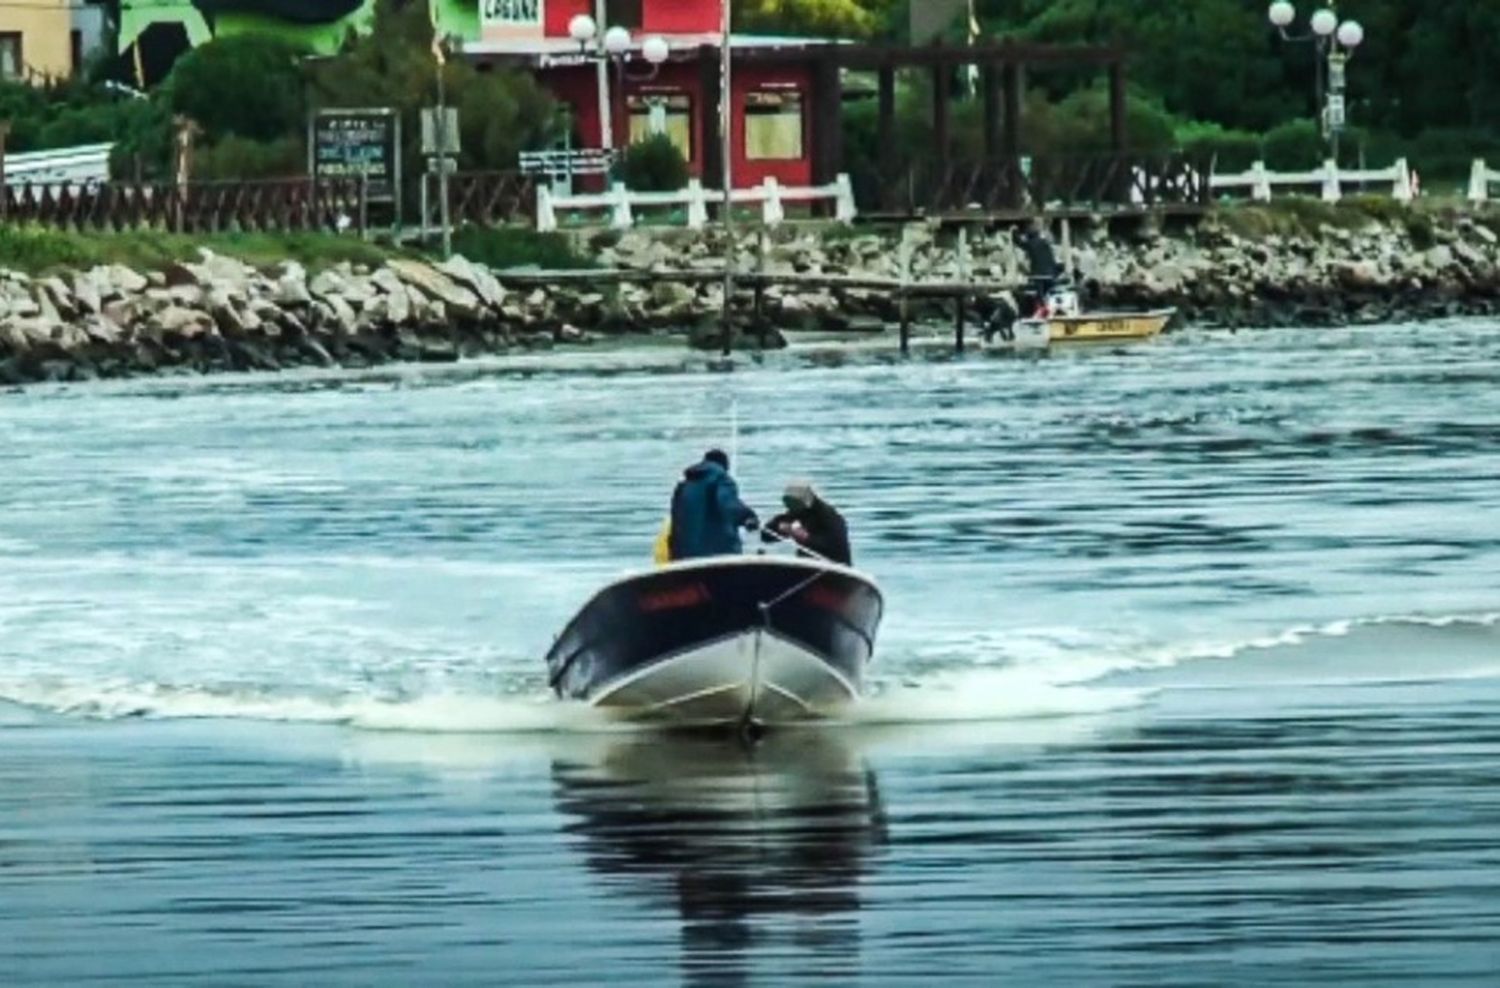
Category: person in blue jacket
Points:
column 707, row 513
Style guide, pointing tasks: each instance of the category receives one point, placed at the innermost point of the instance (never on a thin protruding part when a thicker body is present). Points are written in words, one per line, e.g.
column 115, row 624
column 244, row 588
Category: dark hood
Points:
column 707, row 470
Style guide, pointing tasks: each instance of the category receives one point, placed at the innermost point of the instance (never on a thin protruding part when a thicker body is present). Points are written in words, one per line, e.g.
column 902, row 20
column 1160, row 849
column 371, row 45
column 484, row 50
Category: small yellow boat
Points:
column 1060, row 319
column 1105, row 327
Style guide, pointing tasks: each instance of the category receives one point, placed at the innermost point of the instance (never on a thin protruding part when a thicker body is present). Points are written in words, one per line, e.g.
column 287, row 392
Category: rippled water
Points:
column 1191, row 673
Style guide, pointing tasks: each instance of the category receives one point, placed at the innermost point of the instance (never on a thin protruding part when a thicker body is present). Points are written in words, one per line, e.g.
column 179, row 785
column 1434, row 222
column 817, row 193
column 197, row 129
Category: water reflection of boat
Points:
column 757, row 848
column 734, row 640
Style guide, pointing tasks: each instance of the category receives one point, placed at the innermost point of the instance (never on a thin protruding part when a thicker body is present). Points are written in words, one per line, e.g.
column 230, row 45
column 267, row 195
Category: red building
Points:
column 785, row 91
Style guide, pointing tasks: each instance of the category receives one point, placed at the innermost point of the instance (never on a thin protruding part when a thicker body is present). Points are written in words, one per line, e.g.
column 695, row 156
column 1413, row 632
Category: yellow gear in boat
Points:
column 662, row 551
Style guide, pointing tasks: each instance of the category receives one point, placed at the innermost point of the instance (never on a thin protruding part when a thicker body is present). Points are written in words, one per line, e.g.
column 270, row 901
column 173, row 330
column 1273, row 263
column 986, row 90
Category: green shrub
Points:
column 1231, row 150
column 654, row 165
column 515, row 247
column 249, row 86
column 1448, row 154
column 232, row 158
column 1295, row 146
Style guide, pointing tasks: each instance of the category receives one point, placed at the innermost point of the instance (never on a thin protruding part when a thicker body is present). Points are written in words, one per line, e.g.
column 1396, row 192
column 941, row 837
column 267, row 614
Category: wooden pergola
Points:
column 1003, row 66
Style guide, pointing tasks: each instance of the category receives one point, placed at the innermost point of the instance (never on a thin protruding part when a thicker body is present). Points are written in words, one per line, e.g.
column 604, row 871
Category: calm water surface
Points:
column 1191, row 674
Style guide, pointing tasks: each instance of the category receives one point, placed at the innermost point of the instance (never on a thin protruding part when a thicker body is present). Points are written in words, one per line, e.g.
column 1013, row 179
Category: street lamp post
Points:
column 613, row 49
column 1335, row 43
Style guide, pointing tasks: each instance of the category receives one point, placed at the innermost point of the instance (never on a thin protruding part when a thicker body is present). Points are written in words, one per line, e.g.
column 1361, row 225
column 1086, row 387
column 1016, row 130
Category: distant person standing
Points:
column 707, row 513
column 812, row 523
column 1043, row 270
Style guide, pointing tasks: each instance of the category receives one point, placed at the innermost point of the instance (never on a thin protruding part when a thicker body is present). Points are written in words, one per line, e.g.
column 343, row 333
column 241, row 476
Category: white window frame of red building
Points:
column 782, row 92
column 645, row 97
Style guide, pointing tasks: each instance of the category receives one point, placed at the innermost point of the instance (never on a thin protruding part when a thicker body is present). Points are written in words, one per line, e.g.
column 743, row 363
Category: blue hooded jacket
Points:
column 707, row 514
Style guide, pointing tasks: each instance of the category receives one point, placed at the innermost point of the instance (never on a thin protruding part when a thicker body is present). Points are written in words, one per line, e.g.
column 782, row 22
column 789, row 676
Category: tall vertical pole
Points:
column 726, row 126
column 606, row 102
column 444, row 218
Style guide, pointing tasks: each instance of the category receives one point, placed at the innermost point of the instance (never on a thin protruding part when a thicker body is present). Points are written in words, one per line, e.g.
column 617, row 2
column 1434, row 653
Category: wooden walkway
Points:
column 961, row 293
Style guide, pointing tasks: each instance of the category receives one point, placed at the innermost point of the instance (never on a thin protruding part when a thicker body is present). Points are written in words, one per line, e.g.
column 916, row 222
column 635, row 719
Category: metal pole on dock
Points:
column 904, row 261
column 960, row 303
column 726, row 127
column 763, row 249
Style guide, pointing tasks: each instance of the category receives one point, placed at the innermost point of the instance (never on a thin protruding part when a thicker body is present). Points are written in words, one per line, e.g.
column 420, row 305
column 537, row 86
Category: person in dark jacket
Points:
column 707, row 513
column 812, row 523
column 1044, row 272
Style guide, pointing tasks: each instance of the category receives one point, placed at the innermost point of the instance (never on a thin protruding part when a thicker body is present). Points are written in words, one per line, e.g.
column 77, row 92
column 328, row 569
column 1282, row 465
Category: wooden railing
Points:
column 198, row 207
column 1023, row 186
column 480, row 198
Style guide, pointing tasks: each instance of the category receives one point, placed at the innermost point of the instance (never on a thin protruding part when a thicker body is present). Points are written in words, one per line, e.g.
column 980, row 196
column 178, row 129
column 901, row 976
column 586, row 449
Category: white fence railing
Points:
column 80, row 164
column 1330, row 180
column 1481, row 177
column 623, row 203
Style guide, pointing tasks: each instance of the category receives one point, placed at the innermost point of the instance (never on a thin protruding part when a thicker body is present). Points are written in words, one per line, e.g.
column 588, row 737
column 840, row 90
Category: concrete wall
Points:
column 46, row 28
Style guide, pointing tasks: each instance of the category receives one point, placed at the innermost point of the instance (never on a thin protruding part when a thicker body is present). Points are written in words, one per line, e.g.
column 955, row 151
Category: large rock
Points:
column 102, row 330
column 327, row 284
column 291, row 290
column 476, row 279
column 343, row 314
column 124, row 281
column 181, row 275
column 456, row 300
column 87, row 293
column 229, row 273
column 175, row 320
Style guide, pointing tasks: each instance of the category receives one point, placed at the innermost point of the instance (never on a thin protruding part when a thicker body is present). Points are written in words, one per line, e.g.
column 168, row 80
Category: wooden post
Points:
column 1010, row 139
column 182, row 168
column 1067, row 248
column 828, row 133
column 364, row 205
column 940, row 116
column 1014, row 81
column 887, row 132
column 990, row 79
column 711, row 85
column 959, row 323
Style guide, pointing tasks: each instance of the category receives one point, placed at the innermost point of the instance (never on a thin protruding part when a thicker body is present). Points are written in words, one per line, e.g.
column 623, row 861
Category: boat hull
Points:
column 1105, row 327
column 742, row 639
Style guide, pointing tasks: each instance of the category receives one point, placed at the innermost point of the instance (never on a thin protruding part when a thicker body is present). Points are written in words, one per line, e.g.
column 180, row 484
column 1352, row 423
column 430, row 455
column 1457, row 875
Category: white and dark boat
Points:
column 738, row 640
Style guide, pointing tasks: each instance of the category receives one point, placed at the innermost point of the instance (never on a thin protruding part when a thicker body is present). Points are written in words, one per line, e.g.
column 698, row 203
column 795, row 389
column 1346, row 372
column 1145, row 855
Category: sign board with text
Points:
column 345, row 144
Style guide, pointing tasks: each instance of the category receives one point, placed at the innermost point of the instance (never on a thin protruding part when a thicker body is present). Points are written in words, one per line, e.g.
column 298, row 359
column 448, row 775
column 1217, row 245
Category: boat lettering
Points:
column 676, row 598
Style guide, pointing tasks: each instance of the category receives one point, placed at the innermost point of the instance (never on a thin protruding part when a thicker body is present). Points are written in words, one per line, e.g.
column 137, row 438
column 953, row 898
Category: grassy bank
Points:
column 1305, row 216
column 35, row 249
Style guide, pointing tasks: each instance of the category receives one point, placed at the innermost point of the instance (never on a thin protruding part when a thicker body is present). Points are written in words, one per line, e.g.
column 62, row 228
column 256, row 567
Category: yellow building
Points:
column 43, row 40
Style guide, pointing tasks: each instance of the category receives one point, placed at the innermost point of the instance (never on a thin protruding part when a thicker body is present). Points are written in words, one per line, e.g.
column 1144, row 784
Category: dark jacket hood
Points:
column 706, row 470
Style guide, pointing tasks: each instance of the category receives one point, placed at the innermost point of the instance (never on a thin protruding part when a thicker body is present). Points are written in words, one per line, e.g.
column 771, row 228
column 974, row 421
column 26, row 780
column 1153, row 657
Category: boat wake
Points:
column 1061, row 680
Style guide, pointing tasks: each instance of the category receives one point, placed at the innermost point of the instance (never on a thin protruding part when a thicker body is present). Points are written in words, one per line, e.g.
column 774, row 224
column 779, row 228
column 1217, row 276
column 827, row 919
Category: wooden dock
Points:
column 961, row 293
column 905, row 289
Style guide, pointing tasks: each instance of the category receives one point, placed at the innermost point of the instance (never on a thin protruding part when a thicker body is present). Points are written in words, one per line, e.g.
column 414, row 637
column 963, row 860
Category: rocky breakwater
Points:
column 219, row 314
column 1375, row 272
column 1362, row 269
